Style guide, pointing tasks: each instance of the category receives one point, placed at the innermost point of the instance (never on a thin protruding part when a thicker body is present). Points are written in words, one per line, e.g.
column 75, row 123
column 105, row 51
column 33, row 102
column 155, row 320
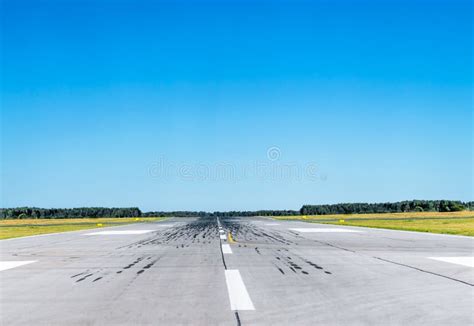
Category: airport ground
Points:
column 248, row 271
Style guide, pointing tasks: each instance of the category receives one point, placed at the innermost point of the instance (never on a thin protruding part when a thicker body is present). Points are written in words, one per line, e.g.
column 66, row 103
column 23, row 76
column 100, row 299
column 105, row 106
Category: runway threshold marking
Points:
column 238, row 295
column 123, row 232
column 322, row 230
column 226, row 249
column 4, row 265
column 465, row 261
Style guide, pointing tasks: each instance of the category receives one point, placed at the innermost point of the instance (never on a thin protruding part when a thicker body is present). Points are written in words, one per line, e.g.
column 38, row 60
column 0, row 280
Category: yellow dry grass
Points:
column 461, row 223
column 27, row 227
column 461, row 214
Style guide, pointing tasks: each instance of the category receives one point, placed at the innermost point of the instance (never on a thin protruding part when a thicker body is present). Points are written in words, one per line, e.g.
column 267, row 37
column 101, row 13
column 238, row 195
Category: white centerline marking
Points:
column 314, row 230
column 221, row 231
column 272, row 224
column 465, row 261
column 4, row 265
column 223, row 237
column 226, row 249
column 120, row 232
column 238, row 295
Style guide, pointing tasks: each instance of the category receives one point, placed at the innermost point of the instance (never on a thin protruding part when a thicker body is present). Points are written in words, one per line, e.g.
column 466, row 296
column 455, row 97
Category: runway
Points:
column 237, row 271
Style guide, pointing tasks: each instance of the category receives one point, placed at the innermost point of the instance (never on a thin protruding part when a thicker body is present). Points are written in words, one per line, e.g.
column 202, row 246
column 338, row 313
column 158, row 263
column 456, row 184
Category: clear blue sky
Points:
column 374, row 96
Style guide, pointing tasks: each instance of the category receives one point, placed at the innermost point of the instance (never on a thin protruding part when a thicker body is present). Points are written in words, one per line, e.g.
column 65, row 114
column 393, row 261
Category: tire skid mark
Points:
column 200, row 231
column 314, row 265
column 73, row 276
column 83, row 278
column 294, row 262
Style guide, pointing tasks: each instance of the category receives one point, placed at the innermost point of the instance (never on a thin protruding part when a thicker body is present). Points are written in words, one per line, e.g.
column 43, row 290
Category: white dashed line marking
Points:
column 238, row 295
column 221, row 231
column 226, row 249
column 314, row 230
column 4, row 265
column 271, row 224
column 223, row 237
column 465, row 261
column 120, row 232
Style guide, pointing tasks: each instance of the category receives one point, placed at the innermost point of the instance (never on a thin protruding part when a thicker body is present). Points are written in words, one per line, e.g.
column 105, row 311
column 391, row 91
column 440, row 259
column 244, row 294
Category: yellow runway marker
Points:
column 229, row 238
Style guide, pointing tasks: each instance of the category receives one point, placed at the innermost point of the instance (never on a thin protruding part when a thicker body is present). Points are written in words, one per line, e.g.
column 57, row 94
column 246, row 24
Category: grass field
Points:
column 461, row 223
column 26, row 227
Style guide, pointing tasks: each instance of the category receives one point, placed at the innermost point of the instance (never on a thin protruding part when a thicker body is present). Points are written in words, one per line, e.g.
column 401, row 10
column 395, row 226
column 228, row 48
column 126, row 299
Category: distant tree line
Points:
column 178, row 213
column 397, row 207
column 34, row 212
column 469, row 205
column 223, row 214
column 345, row 208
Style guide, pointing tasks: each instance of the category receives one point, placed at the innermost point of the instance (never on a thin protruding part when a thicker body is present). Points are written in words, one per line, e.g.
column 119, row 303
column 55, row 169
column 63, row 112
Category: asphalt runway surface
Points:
column 231, row 271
